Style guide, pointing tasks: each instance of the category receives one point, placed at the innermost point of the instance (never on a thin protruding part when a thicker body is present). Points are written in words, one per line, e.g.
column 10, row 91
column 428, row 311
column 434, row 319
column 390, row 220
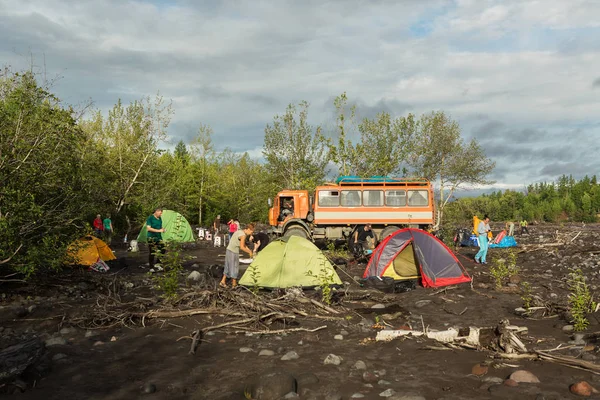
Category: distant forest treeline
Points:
column 567, row 199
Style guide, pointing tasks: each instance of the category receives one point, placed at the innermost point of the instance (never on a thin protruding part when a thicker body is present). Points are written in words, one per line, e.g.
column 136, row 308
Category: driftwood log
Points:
column 15, row 359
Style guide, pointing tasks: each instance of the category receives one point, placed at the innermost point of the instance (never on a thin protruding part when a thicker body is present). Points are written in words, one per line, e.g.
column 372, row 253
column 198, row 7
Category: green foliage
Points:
column 254, row 274
column 441, row 155
column 386, row 144
column 296, row 153
column 172, row 264
column 41, row 176
column 526, row 295
column 334, row 252
column 580, row 299
column 325, row 277
column 499, row 271
column 565, row 200
column 503, row 267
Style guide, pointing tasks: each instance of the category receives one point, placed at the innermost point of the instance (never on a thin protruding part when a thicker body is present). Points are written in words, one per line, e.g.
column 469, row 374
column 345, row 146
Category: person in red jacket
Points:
column 98, row 227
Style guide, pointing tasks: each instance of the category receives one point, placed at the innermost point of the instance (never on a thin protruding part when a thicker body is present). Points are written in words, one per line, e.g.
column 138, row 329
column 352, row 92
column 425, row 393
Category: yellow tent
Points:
column 88, row 250
column 476, row 222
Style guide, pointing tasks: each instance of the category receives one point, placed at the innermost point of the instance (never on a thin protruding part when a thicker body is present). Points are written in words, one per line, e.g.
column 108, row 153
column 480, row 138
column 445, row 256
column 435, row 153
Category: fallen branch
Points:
column 323, row 306
column 444, row 290
column 195, row 339
column 285, row 330
column 569, row 362
column 185, row 313
column 576, row 236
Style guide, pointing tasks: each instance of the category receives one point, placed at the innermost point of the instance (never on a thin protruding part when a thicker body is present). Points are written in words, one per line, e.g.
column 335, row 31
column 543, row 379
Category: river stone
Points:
column 266, row 352
column 272, row 386
column 523, row 376
column 360, row 365
column 378, row 306
column 387, row 393
column 149, row 388
column 422, row 303
column 56, row 341
column 245, row 350
column 194, row 276
column 67, row 331
column 332, row 359
column 582, row 388
column 357, row 396
column 338, row 337
column 290, row 355
column 58, row 357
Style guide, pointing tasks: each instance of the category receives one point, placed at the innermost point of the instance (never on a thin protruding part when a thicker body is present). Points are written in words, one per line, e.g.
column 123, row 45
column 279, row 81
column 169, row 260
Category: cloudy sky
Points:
column 521, row 76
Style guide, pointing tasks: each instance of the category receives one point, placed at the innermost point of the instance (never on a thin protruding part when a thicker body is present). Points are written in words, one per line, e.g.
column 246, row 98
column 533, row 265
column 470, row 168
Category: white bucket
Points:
column 133, row 246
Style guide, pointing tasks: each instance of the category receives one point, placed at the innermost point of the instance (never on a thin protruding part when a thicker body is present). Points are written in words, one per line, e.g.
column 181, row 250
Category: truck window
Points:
column 417, row 198
column 373, row 198
column 329, row 198
column 350, row 198
column 395, row 198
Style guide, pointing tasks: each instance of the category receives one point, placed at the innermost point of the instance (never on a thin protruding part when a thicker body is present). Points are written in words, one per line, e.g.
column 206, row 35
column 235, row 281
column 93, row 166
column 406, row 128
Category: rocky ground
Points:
column 91, row 353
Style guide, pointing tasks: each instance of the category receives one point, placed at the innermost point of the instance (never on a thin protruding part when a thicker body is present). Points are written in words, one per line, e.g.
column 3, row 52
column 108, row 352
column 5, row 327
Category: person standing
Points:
column 155, row 230
column 98, row 226
column 524, row 225
column 482, row 233
column 217, row 225
column 232, row 255
column 510, row 228
column 108, row 229
column 233, row 227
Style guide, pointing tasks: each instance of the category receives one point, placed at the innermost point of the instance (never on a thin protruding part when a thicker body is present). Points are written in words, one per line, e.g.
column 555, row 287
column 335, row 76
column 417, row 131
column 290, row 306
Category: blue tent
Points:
column 507, row 241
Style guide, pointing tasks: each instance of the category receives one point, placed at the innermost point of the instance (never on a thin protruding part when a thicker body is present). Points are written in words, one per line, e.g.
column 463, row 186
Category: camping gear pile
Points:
column 467, row 238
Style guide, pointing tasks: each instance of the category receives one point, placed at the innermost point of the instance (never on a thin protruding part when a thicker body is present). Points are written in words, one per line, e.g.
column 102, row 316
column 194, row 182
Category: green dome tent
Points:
column 288, row 262
column 178, row 228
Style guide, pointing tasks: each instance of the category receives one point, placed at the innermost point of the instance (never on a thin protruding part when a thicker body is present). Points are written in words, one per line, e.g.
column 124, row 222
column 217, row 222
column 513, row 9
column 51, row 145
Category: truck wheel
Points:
column 296, row 231
column 387, row 232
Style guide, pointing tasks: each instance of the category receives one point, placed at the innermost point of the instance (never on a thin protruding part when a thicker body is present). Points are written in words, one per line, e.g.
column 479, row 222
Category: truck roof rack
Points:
column 352, row 180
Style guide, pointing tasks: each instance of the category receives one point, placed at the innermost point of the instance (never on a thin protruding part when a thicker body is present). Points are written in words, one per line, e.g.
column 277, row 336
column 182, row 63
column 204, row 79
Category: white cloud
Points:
column 530, row 65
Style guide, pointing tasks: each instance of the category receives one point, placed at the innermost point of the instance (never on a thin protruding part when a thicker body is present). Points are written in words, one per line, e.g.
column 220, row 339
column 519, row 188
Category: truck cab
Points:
column 291, row 209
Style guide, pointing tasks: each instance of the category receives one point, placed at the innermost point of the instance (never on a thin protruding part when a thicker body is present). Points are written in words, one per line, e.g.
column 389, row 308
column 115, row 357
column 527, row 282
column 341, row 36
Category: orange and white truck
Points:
column 336, row 209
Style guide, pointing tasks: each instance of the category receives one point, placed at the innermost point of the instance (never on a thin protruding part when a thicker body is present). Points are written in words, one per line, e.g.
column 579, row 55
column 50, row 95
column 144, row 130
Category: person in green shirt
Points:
column 155, row 243
column 108, row 229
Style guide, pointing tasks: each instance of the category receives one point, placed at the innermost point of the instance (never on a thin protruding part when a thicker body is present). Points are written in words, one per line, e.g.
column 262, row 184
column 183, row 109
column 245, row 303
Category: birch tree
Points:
column 296, row 153
column 440, row 155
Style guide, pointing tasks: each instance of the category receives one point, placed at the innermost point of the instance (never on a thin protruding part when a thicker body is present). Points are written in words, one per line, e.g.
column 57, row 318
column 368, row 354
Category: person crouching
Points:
column 232, row 255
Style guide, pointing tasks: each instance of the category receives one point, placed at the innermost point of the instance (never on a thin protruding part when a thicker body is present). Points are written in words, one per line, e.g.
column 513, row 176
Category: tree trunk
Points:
column 15, row 359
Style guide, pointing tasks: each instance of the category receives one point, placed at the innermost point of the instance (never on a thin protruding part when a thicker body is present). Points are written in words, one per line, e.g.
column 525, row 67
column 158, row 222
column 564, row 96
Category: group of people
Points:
column 103, row 228
column 483, row 229
column 245, row 240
